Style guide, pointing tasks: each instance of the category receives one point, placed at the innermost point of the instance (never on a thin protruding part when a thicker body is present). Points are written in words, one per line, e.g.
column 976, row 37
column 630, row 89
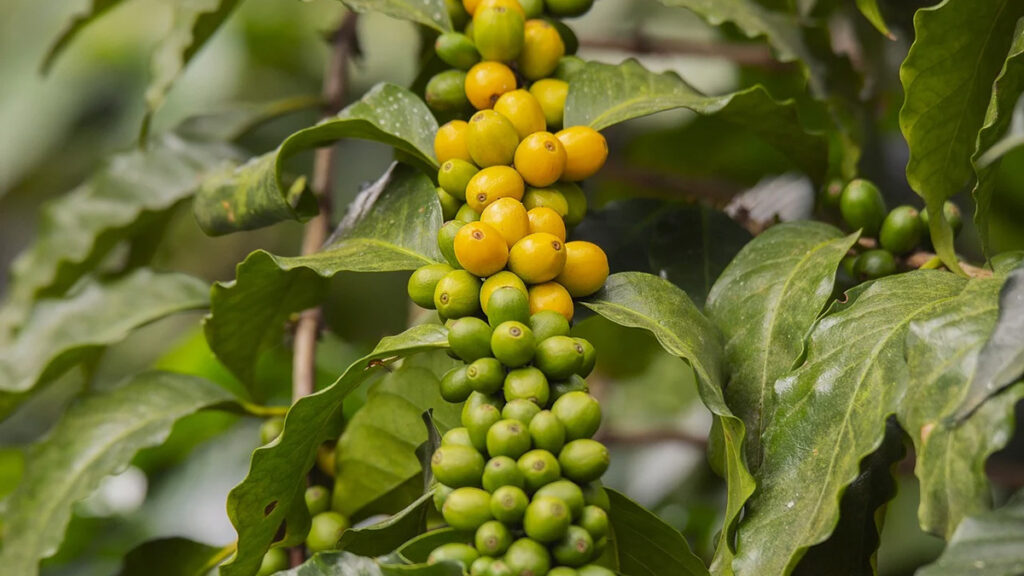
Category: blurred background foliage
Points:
column 59, row 128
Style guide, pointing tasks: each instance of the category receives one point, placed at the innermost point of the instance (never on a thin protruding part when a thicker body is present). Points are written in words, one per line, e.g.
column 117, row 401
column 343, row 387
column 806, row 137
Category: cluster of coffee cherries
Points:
column 520, row 477
column 861, row 206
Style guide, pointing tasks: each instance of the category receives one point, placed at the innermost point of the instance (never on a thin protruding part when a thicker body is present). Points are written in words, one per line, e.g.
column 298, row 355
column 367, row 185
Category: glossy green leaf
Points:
column 1006, row 90
column 391, row 226
column 119, row 202
column 764, row 303
column 830, row 414
column 432, row 13
column 62, row 333
column 194, row 23
column 644, row 301
column 870, row 10
column 255, row 194
column 602, row 95
column 172, row 557
column 377, row 451
column 387, row 536
column 646, row 545
column 96, row 437
column 989, row 544
column 76, row 24
column 272, row 491
column 1002, row 359
column 947, row 86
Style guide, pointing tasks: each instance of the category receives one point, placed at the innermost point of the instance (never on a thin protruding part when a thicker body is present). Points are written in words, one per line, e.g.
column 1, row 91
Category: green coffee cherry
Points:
column 502, row 471
column 499, row 568
column 901, row 230
column 600, row 546
column 566, row 491
column 449, row 204
column 446, row 241
column 589, row 357
column 539, row 468
column 526, row 556
column 454, row 176
column 594, row 569
column 580, row 413
column 486, row 375
column 508, row 438
column 521, row 410
column 548, row 323
column 441, row 493
column 492, row 538
column 576, row 547
column 318, row 499
column 478, row 420
column 467, row 508
column 467, row 214
column 583, row 460
column 325, row 530
column 595, row 521
column 446, row 91
column 595, row 495
column 562, row 571
column 829, row 195
column 568, row 8
column 508, row 504
column 457, row 295
column 456, row 50
column 507, row 304
column 469, row 338
column 862, row 206
column 275, row 560
column 480, row 566
column 951, row 212
column 547, row 432
column 457, row 13
column 271, row 429
column 546, row 519
column 874, row 264
column 532, row 8
column 513, row 344
column 498, row 33
column 464, row 554
column 527, row 384
column 574, row 383
column 567, row 66
column 423, row 283
column 457, row 466
column 559, row 357
column 457, row 437
column 455, row 387
column 575, row 198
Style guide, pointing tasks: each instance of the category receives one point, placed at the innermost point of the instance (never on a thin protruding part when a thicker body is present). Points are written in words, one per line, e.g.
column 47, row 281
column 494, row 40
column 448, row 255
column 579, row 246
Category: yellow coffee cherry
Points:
column 498, row 32
column 508, row 217
column 585, row 270
column 537, row 258
column 585, row 152
column 540, row 159
column 500, row 280
column 450, row 142
column 551, row 94
column 512, row 4
column 486, row 82
column 522, row 110
column 480, row 249
column 491, row 139
column 490, row 184
column 551, row 296
column 470, row 5
column 544, row 219
column 548, row 197
column 542, row 49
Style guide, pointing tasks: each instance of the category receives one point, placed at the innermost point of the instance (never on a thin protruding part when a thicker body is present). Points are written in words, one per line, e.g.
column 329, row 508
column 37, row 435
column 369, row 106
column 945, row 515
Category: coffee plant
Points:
column 831, row 347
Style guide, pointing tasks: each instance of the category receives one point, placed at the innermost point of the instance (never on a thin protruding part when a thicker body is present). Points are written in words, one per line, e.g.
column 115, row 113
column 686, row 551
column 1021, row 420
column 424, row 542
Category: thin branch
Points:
column 651, row 437
column 757, row 55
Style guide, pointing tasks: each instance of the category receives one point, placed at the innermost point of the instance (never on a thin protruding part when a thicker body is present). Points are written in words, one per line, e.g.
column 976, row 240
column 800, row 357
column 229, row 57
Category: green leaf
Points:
column 602, row 95
column 77, row 23
column 254, row 195
column 62, row 333
column 1006, row 90
column 172, row 557
column 644, row 301
column 96, row 437
column 1001, row 362
column 869, row 8
column 419, row 548
column 272, row 492
column 238, row 118
column 942, row 351
column 830, row 414
column 377, row 451
column 387, row 536
column 989, row 544
column 432, row 13
column 391, row 226
column 347, row 564
column 195, row 22
column 646, row 545
column 119, row 202
column 947, row 86
column 764, row 303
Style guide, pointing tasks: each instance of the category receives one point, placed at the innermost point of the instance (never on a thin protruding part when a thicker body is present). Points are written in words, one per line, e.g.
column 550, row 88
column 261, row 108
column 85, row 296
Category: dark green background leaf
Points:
column 171, row 557
column 646, row 545
column 990, row 544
